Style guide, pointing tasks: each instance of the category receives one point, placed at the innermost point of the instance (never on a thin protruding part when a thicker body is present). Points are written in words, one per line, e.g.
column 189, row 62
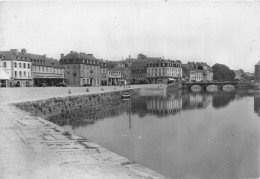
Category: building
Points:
column 81, row 69
column 27, row 69
column 103, row 72
column 257, row 72
column 18, row 67
column 3, row 74
column 116, row 73
column 46, row 70
column 138, row 69
column 139, row 72
column 159, row 70
column 201, row 75
column 198, row 71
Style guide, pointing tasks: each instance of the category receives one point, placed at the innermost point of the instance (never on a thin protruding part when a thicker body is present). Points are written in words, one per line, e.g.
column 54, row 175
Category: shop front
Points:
column 48, row 79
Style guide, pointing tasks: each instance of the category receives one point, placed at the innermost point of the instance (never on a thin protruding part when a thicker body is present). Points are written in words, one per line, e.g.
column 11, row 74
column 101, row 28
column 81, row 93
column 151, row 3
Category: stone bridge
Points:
column 204, row 85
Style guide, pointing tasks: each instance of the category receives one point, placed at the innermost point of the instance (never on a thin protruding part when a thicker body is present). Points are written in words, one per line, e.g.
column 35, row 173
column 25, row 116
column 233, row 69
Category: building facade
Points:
column 103, row 73
column 139, row 72
column 18, row 67
column 118, row 73
column 81, row 69
column 3, row 74
column 27, row 69
column 158, row 71
column 46, row 70
column 257, row 73
column 199, row 71
column 201, row 75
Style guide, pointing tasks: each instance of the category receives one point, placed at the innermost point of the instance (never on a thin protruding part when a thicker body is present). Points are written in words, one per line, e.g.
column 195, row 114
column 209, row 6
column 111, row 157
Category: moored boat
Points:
column 126, row 95
column 173, row 84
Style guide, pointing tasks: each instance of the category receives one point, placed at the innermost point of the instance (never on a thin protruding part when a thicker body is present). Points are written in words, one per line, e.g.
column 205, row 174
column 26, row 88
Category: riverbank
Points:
column 32, row 147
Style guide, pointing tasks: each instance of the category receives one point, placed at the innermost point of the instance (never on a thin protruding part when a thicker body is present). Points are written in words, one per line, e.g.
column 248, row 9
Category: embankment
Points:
column 47, row 108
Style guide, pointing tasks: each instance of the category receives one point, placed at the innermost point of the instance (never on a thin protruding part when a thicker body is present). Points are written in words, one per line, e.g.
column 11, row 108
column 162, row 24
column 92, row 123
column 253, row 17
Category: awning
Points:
column 3, row 75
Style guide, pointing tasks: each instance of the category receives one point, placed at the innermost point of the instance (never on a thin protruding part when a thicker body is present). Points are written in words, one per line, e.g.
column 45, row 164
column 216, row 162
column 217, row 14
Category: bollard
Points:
column 87, row 90
column 69, row 91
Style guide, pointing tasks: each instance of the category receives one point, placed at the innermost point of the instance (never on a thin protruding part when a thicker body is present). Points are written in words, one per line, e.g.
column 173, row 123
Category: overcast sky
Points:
column 213, row 32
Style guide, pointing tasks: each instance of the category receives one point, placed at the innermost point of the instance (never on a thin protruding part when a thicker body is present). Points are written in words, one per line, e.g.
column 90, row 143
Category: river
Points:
column 179, row 134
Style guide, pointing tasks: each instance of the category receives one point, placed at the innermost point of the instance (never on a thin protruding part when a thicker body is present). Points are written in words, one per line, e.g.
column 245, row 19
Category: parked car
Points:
column 61, row 85
column 86, row 84
column 42, row 85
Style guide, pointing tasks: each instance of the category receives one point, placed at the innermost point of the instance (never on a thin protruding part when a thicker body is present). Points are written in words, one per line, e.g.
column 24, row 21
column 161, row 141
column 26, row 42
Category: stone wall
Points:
column 60, row 105
column 247, row 86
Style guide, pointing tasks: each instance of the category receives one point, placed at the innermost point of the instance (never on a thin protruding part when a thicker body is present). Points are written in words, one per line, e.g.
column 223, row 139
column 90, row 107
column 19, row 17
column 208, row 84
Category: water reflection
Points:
column 257, row 104
column 172, row 103
column 180, row 134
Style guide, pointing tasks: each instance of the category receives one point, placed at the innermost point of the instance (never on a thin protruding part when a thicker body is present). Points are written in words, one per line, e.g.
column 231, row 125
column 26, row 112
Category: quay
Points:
column 32, row 147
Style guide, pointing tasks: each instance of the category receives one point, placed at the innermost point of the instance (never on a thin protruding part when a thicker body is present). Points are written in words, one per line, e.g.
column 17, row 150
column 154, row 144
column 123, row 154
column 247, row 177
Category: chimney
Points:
column 61, row 55
column 71, row 52
column 14, row 51
column 23, row 50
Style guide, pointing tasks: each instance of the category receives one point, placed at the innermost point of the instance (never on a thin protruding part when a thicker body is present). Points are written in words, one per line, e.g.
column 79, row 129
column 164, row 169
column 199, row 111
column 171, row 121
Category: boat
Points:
column 173, row 84
column 126, row 95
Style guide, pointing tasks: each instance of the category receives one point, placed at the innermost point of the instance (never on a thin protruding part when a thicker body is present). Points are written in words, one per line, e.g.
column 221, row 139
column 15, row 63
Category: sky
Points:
column 226, row 32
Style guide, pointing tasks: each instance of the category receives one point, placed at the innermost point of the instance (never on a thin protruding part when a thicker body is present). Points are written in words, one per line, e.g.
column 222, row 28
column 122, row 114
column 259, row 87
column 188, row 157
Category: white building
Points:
column 3, row 74
column 158, row 71
column 18, row 67
column 201, row 75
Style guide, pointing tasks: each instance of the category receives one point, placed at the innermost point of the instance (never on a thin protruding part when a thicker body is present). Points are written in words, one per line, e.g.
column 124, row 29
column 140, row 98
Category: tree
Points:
column 222, row 73
column 141, row 56
column 247, row 77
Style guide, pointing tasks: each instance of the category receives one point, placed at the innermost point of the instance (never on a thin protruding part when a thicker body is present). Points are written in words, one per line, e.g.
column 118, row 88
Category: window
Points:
column 28, row 65
column 15, row 64
column 20, row 73
column 15, row 73
column 20, row 65
column 24, row 74
column 24, row 65
column 4, row 64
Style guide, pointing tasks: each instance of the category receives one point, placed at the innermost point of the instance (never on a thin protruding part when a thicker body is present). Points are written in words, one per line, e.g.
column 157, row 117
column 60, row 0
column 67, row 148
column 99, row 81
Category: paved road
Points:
column 10, row 95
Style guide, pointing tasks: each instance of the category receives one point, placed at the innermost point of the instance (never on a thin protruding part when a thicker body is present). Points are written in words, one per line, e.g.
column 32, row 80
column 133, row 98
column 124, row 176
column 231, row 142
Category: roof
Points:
column 29, row 57
column 49, row 62
column 139, row 64
column 81, row 55
column 258, row 63
column 10, row 55
column 201, row 71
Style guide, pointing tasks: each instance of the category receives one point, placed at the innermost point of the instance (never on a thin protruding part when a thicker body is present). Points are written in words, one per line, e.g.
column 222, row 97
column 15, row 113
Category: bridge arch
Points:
column 204, row 86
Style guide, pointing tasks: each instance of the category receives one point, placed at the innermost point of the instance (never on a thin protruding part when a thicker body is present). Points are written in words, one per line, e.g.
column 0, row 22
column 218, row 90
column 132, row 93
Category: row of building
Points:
column 20, row 68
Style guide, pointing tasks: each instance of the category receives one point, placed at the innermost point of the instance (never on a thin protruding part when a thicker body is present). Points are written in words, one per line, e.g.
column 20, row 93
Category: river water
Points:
column 179, row 134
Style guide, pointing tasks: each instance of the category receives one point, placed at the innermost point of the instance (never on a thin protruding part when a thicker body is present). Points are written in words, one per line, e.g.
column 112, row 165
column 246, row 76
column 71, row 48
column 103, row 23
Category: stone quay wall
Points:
column 47, row 108
column 248, row 86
